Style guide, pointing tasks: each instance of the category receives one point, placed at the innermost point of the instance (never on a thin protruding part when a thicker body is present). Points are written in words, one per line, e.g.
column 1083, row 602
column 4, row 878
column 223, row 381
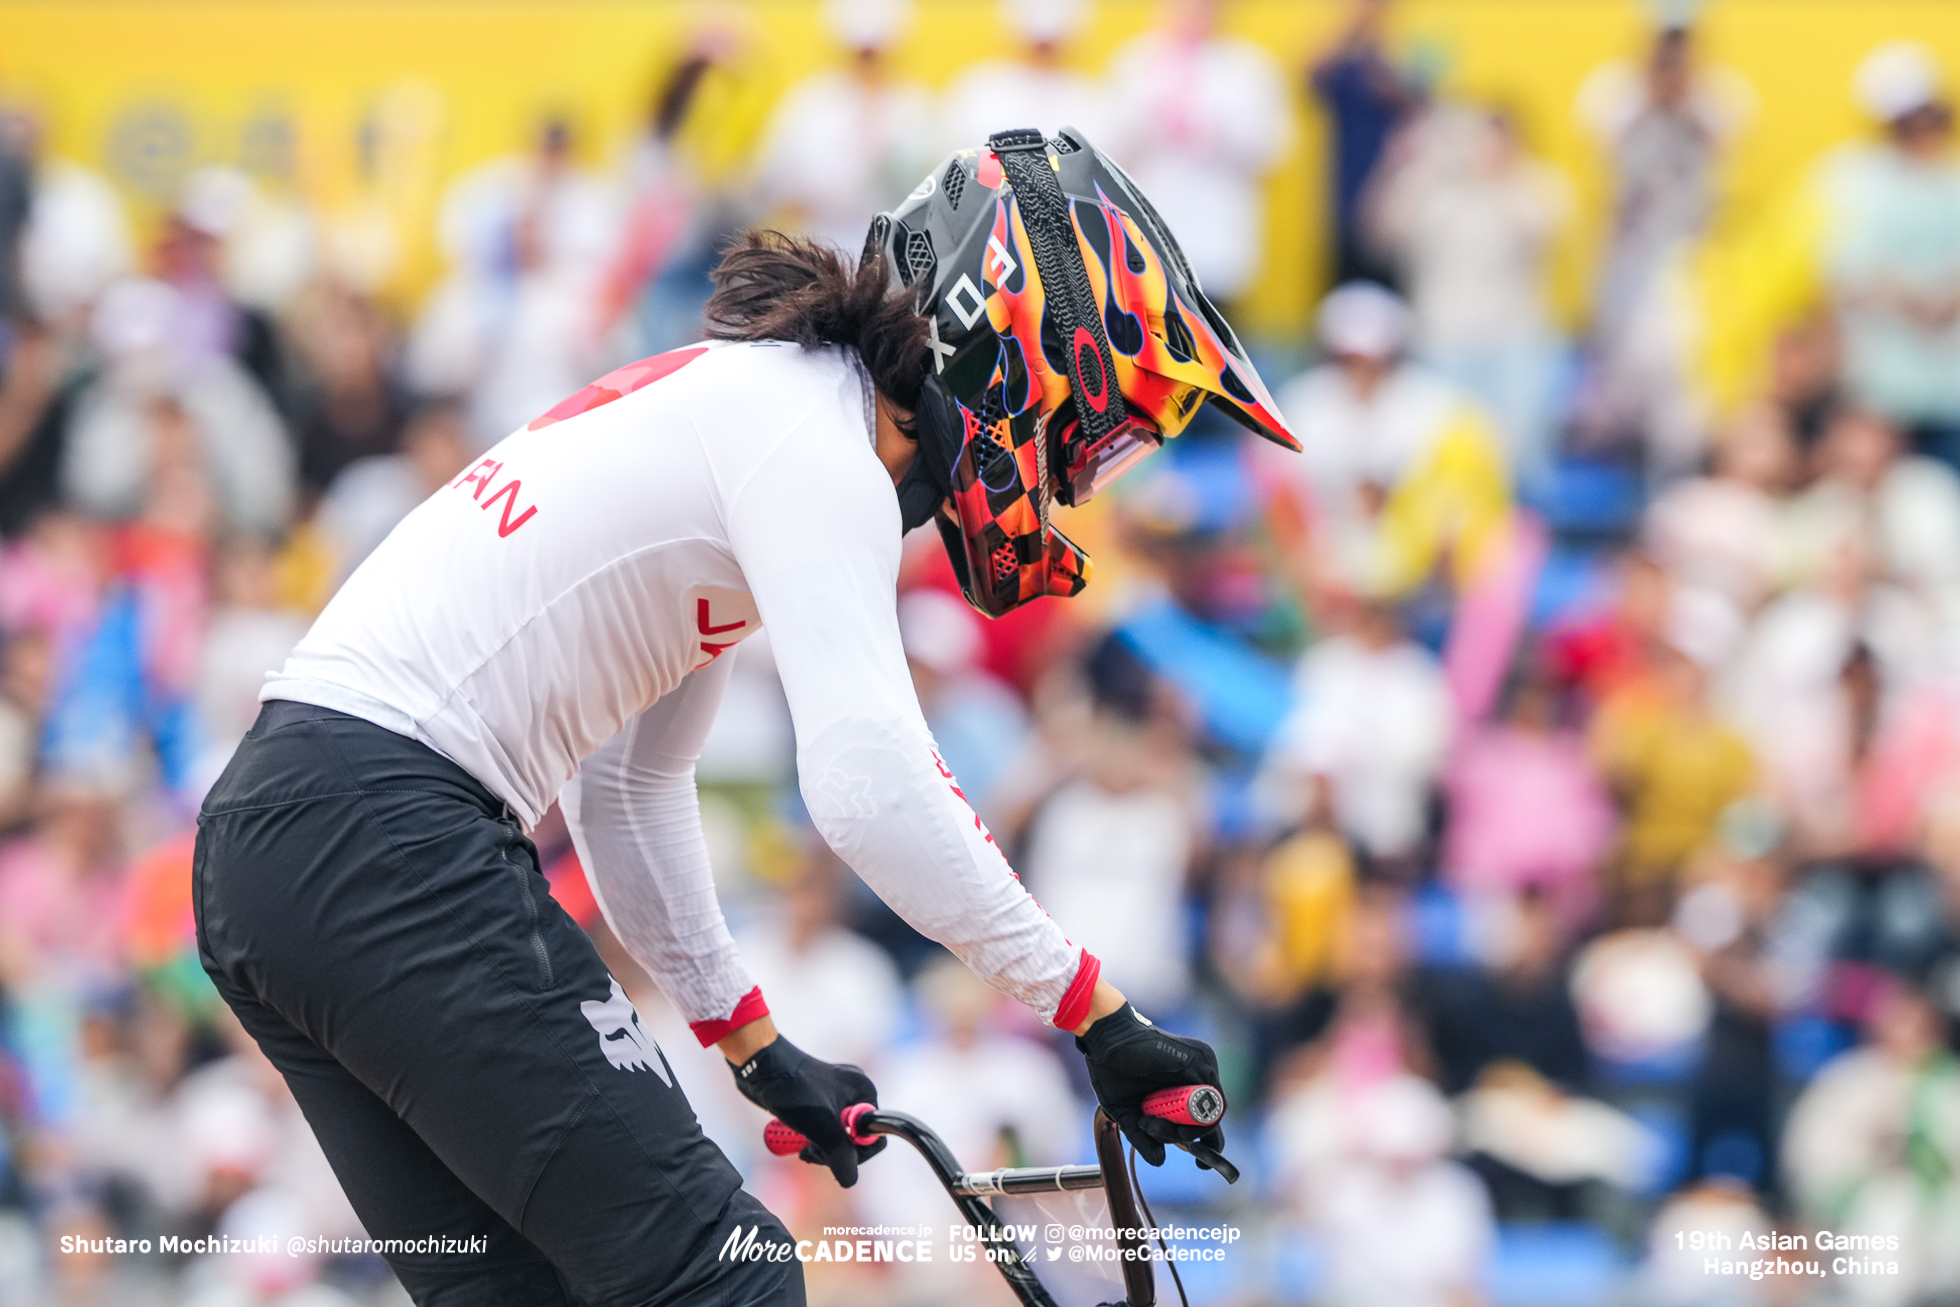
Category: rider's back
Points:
column 574, row 574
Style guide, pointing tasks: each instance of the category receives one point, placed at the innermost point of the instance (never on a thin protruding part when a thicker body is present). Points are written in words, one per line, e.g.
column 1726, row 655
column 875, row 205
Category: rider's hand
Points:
column 1128, row 1059
column 809, row 1096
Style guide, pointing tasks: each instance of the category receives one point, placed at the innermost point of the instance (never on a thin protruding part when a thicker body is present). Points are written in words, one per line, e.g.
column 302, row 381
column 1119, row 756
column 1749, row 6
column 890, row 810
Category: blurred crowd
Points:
column 1545, row 792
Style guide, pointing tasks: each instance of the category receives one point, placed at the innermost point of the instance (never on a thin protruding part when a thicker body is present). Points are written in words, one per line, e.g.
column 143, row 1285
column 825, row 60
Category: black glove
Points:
column 809, row 1096
column 1128, row 1059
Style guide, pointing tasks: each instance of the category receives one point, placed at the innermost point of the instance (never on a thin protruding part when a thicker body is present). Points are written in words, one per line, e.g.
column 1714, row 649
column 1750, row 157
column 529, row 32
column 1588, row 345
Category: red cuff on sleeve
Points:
column 749, row 1008
column 1075, row 1003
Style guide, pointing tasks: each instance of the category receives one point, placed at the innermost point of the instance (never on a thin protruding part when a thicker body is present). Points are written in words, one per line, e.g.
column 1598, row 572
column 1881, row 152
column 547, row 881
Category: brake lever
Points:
column 1211, row 1157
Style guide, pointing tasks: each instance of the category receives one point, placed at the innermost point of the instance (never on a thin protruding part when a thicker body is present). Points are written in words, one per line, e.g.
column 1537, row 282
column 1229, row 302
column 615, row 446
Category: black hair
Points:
column 769, row 286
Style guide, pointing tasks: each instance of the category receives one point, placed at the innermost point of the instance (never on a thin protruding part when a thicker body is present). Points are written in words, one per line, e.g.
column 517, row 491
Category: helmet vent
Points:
column 1061, row 145
column 919, row 260
column 955, row 184
column 1005, row 563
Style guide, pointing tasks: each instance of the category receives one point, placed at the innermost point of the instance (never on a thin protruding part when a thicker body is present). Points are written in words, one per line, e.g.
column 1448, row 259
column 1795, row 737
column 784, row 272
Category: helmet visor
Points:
column 1088, row 467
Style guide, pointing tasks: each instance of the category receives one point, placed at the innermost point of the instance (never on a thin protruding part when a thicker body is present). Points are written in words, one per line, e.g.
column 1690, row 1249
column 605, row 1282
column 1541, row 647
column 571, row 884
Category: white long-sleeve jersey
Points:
column 553, row 621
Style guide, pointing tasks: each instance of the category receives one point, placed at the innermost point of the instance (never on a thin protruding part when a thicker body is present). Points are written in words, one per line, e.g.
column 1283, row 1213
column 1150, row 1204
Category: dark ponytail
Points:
column 769, row 286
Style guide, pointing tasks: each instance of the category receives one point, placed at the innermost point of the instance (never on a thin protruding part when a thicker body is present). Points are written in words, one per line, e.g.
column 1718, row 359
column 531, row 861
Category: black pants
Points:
column 380, row 926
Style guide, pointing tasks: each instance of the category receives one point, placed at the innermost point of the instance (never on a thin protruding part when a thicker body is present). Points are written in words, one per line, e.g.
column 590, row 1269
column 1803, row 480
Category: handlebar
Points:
column 1199, row 1105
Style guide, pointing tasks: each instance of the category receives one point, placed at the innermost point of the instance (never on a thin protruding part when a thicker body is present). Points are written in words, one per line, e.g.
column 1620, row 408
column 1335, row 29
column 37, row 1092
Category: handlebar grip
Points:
column 786, row 1142
column 781, row 1140
column 1187, row 1105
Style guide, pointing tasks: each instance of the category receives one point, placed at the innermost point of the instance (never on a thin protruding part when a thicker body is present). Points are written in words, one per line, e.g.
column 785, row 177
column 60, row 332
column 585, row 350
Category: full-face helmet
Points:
column 1069, row 339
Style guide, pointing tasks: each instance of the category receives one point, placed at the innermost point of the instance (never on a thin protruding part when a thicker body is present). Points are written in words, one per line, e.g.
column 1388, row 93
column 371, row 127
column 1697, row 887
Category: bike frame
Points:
column 969, row 1193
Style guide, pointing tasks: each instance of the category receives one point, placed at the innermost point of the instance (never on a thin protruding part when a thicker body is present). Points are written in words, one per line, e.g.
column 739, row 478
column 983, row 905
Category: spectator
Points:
column 348, row 402
column 1200, row 119
column 1519, row 1009
column 1279, row 934
column 1892, row 249
column 515, row 325
column 268, row 237
column 1601, row 651
column 1353, row 1024
column 1728, row 919
column 168, row 405
column 1901, row 511
column 1837, row 689
column 1400, row 468
column 1372, row 724
column 676, row 220
column 1114, row 847
column 1663, row 126
column 1525, row 807
column 838, row 991
column 1675, row 1275
column 1470, row 219
column 58, row 886
column 1367, row 98
column 1873, row 1145
column 193, row 256
column 1721, row 532
column 1400, row 1222
column 1036, row 89
column 1671, row 761
column 847, row 143
column 370, row 495
column 75, row 238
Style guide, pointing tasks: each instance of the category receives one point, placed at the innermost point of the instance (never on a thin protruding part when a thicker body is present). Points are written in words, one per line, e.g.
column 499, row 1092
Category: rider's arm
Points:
column 816, row 531
column 637, row 824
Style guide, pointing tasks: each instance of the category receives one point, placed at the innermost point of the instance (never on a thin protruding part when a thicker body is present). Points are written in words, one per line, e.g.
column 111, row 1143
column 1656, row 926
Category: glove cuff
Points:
column 773, row 1061
column 1124, row 1021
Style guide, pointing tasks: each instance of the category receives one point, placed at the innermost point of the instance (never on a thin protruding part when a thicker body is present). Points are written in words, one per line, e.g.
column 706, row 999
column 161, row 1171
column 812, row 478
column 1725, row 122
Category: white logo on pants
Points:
column 622, row 1038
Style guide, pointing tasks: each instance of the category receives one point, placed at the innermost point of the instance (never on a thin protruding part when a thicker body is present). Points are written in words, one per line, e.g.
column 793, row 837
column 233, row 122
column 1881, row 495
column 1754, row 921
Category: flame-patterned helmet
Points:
column 1069, row 339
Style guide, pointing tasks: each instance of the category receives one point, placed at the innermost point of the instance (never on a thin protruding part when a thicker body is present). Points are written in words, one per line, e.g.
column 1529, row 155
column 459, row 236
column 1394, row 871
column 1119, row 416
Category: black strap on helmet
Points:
column 1023, row 154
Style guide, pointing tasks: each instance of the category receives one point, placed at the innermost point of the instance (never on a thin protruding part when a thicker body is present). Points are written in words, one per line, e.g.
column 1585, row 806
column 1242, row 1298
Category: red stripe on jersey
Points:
column 620, row 381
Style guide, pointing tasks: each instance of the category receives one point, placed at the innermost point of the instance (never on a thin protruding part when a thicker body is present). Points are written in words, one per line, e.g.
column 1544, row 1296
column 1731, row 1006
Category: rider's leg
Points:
column 398, row 1186
column 373, row 897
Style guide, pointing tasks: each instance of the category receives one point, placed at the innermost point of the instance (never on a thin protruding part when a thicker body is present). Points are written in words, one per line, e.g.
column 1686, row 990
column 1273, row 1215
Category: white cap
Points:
column 1364, row 319
column 867, row 24
column 1403, row 1119
column 1703, row 627
column 1044, row 21
column 215, row 199
column 938, row 630
column 1897, row 78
